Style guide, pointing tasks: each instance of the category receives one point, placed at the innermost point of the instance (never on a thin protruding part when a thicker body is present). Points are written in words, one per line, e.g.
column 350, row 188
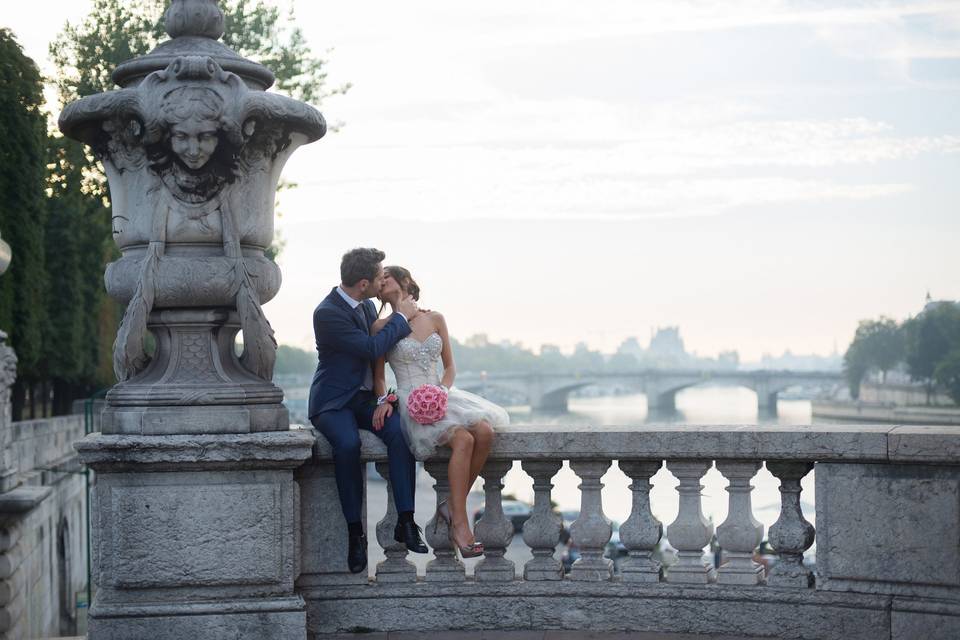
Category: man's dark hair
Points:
column 359, row 264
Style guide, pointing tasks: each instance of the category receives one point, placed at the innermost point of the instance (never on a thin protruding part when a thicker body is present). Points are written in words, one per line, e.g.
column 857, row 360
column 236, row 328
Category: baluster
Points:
column 740, row 533
column 494, row 529
column 791, row 534
column 542, row 531
column 446, row 565
column 690, row 532
column 641, row 532
column 396, row 568
column 592, row 530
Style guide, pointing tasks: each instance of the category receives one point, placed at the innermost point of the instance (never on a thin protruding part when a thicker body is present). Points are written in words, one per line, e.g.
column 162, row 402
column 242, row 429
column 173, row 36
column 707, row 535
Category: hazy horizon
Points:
column 762, row 174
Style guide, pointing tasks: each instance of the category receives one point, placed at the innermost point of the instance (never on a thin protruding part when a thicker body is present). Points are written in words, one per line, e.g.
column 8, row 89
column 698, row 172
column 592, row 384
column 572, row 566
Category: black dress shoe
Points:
column 357, row 553
column 409, row 534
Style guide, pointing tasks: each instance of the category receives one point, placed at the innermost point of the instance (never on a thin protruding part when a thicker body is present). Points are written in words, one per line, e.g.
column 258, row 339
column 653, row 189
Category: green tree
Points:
column 877, row 344
column 947, row 374
column 855, row 366
column 85, row 54
column 930, row 336
column 294, row 361
column 22, row 212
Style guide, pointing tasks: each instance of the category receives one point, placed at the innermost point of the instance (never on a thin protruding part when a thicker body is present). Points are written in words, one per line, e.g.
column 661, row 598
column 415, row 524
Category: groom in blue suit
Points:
column 342, row 400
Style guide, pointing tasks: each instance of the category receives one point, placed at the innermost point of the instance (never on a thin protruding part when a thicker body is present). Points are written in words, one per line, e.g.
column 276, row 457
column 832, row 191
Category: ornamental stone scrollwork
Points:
column 193, row 148
column 193, row 156
column 8, row 375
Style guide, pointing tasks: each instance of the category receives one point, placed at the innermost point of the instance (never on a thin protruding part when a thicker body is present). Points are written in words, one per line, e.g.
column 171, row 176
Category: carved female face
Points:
column 193, row 116
column 194, row 140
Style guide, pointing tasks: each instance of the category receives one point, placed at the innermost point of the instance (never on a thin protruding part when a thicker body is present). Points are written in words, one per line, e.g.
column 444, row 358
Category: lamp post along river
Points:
column 4, row 256
column 194, row 504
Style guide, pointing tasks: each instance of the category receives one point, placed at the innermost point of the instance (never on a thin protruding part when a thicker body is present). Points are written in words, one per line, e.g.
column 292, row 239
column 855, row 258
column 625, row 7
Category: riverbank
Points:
column 867, row 412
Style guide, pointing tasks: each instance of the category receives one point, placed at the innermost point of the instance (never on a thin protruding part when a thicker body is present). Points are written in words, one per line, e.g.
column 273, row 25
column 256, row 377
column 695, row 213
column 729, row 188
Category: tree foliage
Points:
column 877, row 344
column 55, row 210
column 947, row 374
column 22, row 207
column 927, row 344
column 114, row 31
column 930, row 337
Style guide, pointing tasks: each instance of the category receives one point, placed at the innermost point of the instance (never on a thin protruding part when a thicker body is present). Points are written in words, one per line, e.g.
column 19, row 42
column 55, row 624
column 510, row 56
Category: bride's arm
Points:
column 446, row 354
column 379, row 377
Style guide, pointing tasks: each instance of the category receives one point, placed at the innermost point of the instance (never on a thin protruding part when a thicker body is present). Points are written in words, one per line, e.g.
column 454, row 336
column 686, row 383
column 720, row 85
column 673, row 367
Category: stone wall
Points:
column 43, row 566
column 903, row 395
column 887, row 523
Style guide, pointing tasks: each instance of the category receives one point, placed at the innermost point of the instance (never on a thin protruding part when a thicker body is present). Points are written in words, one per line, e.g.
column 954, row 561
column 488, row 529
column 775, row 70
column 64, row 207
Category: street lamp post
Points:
column 5, row 256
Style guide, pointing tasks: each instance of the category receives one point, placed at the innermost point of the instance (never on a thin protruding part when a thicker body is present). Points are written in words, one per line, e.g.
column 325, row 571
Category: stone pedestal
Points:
column 195, row 506
column 194, row 535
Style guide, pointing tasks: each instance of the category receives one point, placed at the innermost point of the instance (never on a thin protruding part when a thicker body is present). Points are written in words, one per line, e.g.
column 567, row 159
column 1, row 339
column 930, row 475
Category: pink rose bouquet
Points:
column 427, row 404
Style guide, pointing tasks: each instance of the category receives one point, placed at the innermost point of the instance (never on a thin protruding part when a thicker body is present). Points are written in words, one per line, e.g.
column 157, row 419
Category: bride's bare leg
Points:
column 482, row 434
column 461, row 451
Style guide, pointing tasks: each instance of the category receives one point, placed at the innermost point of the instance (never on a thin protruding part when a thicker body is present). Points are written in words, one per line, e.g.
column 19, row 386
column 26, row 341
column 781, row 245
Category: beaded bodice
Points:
column 414, row 363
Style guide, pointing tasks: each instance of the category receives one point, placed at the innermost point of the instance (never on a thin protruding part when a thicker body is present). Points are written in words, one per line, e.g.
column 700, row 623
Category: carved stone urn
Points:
column 194, row 510
column 193, row 147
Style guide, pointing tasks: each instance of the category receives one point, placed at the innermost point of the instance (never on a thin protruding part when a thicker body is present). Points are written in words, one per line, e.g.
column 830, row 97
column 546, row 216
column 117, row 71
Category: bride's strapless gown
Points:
column 416, row 363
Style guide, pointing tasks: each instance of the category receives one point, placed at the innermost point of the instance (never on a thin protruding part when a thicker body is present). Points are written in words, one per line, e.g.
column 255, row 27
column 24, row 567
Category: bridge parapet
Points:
column 885, row 564
column 550, row 390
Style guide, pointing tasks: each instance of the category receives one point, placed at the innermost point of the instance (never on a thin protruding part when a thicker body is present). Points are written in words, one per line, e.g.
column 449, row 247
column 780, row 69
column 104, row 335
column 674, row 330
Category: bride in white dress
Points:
column 469, row 424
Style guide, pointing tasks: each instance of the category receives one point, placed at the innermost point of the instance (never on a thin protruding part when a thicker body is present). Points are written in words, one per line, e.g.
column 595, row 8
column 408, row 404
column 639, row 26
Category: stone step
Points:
column 525, row 635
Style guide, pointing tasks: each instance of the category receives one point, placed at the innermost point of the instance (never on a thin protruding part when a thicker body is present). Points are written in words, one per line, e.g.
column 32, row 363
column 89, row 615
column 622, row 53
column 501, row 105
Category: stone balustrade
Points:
column 888, row 532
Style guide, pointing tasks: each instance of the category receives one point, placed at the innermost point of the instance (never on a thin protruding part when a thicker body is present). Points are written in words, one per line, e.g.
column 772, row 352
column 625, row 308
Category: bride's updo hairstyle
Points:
column 405, row 280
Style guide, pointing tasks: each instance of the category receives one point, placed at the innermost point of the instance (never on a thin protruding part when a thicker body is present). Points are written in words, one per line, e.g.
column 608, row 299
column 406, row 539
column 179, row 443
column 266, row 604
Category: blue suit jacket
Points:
column 345, row 349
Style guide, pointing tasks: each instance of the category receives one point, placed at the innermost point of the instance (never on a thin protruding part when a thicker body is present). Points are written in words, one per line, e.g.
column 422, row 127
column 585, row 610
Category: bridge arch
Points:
column 662, row 394
column 557, row 398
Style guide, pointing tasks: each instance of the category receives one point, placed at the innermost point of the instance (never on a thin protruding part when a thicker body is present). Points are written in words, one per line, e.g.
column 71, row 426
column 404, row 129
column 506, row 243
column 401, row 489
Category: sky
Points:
column 762, row 174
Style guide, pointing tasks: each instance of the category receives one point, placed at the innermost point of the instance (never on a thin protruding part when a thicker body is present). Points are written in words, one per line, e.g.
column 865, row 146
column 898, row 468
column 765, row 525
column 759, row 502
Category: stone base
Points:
column 591, row 569
column 194, row 536
column 281, row 619
column 445, row 570
column 549, row 571
column 650, row 571
column 740, row 571
column 494, row 569
column 396, row 570
column 211, row 419
column 790, row 576
column 691, row 574
column 607, row 607
column 194, row 383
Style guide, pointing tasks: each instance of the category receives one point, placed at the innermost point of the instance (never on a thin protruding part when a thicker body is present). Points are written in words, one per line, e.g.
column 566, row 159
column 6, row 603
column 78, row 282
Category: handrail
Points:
column 814, row 443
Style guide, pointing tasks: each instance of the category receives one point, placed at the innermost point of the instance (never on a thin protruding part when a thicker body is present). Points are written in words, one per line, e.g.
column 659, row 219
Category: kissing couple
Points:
column 349, row 393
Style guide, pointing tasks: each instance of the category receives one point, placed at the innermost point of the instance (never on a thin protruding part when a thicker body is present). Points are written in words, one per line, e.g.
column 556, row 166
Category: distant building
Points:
column 930, row 304
column 666, row 346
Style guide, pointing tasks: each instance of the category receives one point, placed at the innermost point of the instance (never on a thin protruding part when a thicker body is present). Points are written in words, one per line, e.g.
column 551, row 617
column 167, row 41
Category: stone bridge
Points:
column 550, row 391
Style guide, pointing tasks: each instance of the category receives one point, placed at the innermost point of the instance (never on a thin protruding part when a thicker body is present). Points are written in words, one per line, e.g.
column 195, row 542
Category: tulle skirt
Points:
column 463, row 409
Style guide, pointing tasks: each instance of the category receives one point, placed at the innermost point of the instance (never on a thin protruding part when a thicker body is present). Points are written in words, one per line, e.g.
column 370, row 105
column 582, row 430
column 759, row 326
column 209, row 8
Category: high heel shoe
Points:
column 443, row 513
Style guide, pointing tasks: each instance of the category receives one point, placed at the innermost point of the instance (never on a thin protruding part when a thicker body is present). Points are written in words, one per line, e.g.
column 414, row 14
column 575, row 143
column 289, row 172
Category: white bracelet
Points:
column 382, row 399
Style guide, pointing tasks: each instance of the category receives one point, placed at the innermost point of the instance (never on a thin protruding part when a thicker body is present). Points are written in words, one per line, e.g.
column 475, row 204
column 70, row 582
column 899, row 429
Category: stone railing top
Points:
column 275, row 449
column 854, row 443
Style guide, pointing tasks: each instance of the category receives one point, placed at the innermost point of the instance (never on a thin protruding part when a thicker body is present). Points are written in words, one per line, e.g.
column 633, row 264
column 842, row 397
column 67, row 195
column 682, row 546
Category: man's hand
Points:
column 408, row 307
column 380, row 415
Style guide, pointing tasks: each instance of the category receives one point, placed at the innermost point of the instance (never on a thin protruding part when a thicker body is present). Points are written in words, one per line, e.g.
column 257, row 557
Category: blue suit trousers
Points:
column 341, row 427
